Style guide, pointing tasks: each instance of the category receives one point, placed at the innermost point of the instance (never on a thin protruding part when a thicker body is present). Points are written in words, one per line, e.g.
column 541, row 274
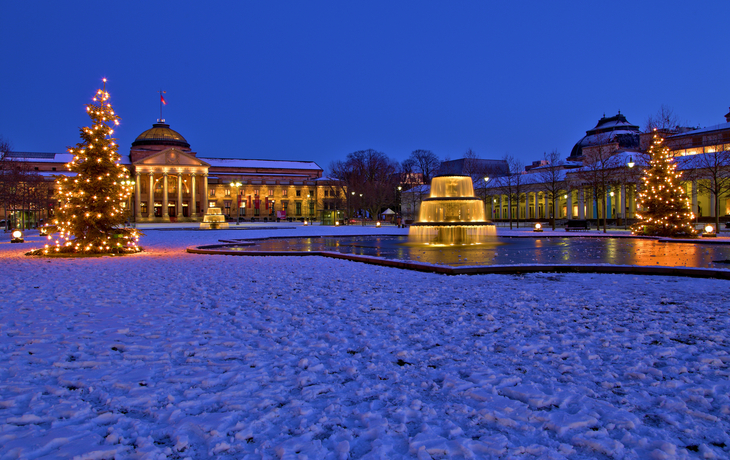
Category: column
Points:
column 151, row 197
column 178, row 207
column 193, row 210
column 137, row 195
column 623, row 201
column 204, row 193
column 581, row 204
column 165, row 214
column 569, row 205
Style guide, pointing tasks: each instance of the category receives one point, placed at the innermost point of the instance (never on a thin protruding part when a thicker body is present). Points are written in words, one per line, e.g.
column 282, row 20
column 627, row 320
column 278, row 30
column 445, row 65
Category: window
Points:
column 36, row 168
column 227, row 207
column 228, row 192
column 311, row 208
column 299, row 193
column 143, row 207
column 53, row 169
column 212, row 204
column 256, row 192
column 299, row 208
column 283, row 192
column 211, row 192
column 284, row 205
column 271, row 192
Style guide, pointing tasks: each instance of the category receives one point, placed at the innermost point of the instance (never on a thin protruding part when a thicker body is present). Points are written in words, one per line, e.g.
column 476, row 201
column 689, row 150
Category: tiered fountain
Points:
column 452, row 215
column 214, row 219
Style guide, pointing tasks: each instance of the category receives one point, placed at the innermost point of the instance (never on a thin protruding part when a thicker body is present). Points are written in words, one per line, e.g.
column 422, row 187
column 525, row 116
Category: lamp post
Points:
column 398, row 205
column 273, row 208
column 238, row 200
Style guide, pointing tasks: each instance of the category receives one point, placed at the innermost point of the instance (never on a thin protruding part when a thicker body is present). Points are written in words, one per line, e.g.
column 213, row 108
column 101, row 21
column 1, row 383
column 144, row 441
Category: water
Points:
column 510, row 251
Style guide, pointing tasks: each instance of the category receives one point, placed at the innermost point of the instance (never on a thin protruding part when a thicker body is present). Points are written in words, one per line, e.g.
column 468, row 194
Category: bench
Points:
column 577, row 225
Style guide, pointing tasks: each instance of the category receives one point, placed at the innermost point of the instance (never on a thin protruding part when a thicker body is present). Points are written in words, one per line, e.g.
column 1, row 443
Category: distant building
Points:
column 173, row 183
column 474, row 166
column 615, row 132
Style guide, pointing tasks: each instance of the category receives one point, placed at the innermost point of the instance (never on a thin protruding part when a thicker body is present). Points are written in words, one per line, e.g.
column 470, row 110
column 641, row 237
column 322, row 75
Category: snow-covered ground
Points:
column 174, row 355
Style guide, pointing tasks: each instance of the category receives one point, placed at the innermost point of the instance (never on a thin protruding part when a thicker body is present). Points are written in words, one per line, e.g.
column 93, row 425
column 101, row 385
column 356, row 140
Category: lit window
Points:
column 211, row 204
column 212, row 192
column 283, row 192
column 228, row 192
column 271, row 192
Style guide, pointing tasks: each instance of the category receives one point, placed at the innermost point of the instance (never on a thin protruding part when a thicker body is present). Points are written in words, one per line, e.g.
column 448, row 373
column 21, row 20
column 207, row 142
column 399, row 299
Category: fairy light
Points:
column 666, row 207
column 85, row 221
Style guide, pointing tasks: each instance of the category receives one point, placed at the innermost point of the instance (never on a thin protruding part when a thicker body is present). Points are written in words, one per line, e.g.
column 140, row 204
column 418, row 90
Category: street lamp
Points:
column 631, row 163
column 238, row 200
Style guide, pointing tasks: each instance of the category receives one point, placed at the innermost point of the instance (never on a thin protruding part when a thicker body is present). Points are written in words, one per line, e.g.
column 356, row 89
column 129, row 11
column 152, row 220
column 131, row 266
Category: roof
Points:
column 720, row 127
column 608, row 130
column 270, row 164
column 161, row 134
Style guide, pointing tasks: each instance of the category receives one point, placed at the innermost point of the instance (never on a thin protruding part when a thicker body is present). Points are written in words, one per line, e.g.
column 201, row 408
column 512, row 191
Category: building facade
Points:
column 173, row 184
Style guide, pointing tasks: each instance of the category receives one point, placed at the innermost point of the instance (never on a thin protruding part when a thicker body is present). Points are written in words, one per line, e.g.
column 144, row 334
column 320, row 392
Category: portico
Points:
column 170, row 185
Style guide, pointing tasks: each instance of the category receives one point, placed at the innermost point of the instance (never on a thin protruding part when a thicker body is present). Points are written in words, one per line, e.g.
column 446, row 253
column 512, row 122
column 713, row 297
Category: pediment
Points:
column 170, row 157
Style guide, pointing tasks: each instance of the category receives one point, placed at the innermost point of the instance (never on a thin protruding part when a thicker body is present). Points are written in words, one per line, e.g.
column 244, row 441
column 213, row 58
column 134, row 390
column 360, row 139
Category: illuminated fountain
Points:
column 451, row 215
column 214, row 219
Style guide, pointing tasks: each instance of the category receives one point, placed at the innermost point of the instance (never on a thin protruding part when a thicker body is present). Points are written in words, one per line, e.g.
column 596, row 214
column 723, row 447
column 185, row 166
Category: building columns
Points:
column 137, row 195
column 581, row 204
column 623, row 201
column 191, row 205
column 204, row 197
column 178, row 206
column 569, row 205
column 165, row 213
column 151, row 197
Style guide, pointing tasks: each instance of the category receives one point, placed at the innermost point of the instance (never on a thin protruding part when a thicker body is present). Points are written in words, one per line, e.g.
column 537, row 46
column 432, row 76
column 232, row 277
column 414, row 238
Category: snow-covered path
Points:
column 174, row 355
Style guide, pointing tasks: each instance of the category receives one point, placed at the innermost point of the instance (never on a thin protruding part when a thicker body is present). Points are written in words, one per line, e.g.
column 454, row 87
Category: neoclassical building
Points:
column 173, row 183
column 695, row 150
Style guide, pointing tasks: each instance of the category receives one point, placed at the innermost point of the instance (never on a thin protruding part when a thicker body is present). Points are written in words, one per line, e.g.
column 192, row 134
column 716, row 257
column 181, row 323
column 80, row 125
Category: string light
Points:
column 100, row 229
column 666, row 209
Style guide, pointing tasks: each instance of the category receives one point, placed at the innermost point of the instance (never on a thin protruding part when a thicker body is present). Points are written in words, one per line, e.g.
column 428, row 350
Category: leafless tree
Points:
column 371, row 179
column 663, row 120
column 424, row 163
column 21, row 188
column 552, row 178
column 599, row 173
column 513, row 184
column 711, row 171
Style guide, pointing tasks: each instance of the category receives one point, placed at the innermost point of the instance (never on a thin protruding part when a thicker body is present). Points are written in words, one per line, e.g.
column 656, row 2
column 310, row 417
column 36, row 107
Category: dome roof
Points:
column 161, row 134
column 608, row 130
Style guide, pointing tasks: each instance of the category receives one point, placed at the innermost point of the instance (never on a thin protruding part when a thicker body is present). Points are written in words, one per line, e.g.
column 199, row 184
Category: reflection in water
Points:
column 509, row 251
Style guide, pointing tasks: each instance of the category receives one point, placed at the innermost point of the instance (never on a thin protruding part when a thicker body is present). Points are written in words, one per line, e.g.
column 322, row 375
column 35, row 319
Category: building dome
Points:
column 609, row 130
column 161, row 134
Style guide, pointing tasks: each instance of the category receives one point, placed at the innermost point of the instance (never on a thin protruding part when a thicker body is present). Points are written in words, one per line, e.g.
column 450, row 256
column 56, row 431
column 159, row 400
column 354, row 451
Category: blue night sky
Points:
column 315, row 80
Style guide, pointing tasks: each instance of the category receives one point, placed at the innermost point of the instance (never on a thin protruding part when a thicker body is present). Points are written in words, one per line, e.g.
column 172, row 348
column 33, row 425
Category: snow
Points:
column 167, row 354
column 241, row 163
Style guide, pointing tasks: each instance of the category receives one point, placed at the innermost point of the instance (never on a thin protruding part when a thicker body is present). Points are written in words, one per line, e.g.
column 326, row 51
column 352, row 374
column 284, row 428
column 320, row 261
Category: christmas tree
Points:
column 665, row 208
column 90, row 217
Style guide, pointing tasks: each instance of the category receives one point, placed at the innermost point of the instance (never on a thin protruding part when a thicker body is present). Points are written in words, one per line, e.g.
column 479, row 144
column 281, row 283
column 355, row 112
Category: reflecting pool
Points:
column 510, row 251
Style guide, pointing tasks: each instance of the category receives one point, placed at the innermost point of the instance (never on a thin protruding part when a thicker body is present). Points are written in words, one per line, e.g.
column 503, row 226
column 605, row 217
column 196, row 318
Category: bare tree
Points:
column 552, row 177
column 425, row 163
column 371, row 178
column 513, row 184
column 599, row 172
column 711, row 171
column 663, row 120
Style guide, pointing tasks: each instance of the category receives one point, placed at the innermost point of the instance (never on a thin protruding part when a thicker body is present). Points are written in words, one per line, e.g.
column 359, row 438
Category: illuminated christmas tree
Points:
column 90, row 217
column 665, row 207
